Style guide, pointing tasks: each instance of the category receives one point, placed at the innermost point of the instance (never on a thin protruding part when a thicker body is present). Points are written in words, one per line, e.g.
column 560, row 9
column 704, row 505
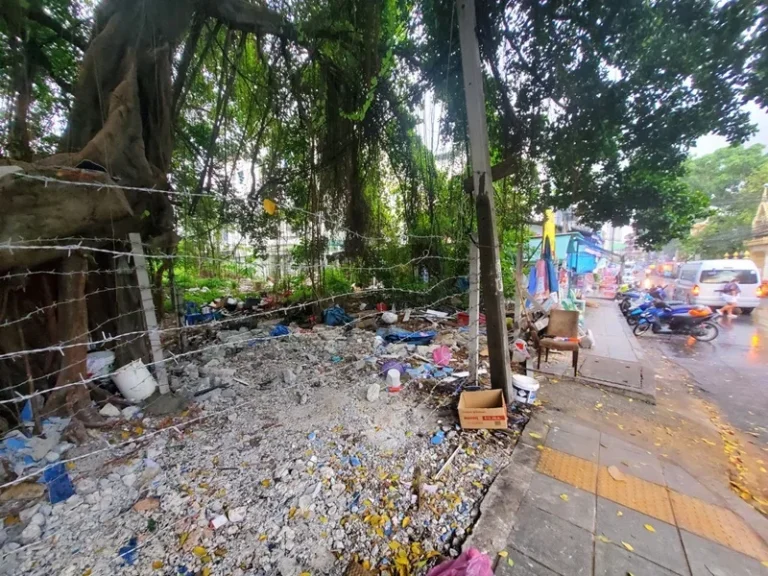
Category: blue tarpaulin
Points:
column 335, row 316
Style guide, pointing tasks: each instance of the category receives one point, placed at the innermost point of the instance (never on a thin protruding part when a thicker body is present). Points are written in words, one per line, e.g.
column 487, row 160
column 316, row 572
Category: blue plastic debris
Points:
column 128, row 552
column 438, row 438
column 60, row 486
column 395, row 334
column 335, row 316
column 182, row 570
column 336, row 359
column 26, row 413
column 355, row 461
column 311, row 436
column 15, row 444
column 279, row 330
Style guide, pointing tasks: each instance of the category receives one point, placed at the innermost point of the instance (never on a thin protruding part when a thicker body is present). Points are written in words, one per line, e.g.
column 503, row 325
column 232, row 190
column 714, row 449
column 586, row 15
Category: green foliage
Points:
column 733, row 179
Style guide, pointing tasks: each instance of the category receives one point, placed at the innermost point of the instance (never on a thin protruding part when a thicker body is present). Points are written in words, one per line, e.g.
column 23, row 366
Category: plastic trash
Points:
column 59, row 484
column 389, row 317
column 335, row 316
column 129, row 552
column 469, row 563
column 438, row 438
column 393, row 365
column 442, row 356
column 393, row 380
column 279, row 330
column 519, row 351
column 395, row 334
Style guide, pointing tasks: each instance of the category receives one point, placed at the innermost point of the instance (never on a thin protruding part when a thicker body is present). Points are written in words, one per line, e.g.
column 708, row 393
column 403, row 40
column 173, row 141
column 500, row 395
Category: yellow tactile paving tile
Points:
column 569, row 469
column 646, row 497
column 717, row 524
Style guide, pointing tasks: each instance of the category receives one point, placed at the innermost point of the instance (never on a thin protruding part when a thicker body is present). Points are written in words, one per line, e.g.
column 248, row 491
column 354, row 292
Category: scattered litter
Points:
column 442, row 356
column 129, row 552
column 279, row 330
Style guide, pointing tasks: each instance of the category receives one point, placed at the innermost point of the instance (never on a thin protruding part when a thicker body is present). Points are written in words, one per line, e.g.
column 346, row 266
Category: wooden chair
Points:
column 562, row 324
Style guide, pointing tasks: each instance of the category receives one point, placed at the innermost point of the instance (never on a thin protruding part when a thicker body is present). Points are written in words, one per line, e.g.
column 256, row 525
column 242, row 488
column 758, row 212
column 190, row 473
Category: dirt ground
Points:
column 683, row 427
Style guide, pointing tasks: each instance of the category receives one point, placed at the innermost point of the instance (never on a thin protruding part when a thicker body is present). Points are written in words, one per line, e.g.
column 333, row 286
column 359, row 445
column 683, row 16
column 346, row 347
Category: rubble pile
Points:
column 292, row 458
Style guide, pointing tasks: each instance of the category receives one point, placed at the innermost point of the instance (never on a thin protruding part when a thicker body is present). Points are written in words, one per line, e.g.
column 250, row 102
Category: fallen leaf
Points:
column 262, row 537
column 616, row 474
column 183, row 538
column 147, row 504
column 535, row 435
column 406, row 521
column 564, row 497
column 206, row 571
column 604, row 539
column 305, row 574
column 621, row 426
column 649, row 528
column 708, row 442
column 627, row 546
column 510, row 562
column 157, row 564
column 503, row 553
column 198, row 551
column 619, row 513
column 599, row 405
column 764, row 563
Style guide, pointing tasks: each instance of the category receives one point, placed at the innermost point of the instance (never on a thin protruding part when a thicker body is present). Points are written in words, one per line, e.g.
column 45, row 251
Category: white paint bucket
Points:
column 525, row 388
column 99, row 364
column 134, row 381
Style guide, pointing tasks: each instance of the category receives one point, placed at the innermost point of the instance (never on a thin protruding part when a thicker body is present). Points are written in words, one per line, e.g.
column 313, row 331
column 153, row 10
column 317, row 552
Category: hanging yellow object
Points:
column 269, row 206
column 548, row 232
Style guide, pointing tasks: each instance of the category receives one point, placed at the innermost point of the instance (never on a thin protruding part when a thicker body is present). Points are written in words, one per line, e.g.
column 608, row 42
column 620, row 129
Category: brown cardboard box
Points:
column 482, row 409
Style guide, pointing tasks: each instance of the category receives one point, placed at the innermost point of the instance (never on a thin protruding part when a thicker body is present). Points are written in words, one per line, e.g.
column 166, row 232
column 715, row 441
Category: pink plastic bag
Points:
column 469, row 563
column 442, row 356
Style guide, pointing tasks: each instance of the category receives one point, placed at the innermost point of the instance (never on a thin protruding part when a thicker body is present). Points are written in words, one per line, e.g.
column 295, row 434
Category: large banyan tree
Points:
column 590, row 104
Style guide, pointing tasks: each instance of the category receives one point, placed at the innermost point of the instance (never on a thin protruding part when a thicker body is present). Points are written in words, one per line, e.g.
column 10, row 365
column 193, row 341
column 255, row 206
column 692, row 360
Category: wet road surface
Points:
column 732, row 370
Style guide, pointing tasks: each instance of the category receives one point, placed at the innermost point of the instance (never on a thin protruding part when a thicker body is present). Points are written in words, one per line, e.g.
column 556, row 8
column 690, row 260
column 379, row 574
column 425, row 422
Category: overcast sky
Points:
column 708, row 144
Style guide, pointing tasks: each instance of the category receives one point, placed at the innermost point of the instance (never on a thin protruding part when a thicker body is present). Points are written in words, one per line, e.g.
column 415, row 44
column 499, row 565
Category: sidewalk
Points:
column 616, row 359
column 575, row 501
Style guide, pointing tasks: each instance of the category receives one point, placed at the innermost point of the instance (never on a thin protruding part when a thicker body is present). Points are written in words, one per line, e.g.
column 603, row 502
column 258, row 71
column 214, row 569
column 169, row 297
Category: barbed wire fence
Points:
column 30, row 373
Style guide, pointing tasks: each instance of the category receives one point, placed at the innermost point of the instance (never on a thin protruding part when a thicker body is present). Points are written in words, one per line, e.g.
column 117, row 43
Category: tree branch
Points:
column 37, row 15
column 246, row 17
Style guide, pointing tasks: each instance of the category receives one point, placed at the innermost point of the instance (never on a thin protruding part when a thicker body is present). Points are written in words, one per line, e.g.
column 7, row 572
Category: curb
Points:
column 498, row 510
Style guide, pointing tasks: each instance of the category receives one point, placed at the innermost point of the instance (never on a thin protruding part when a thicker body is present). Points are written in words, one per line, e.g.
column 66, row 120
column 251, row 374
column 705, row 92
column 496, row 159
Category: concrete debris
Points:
column 110, row 411
column 261, row 483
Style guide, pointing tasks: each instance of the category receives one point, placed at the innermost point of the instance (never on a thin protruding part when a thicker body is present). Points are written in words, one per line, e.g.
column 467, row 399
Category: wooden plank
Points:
column 149, row 311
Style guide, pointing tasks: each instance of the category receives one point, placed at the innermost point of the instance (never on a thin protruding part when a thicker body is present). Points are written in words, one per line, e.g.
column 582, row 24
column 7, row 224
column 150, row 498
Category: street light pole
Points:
column 490, row 264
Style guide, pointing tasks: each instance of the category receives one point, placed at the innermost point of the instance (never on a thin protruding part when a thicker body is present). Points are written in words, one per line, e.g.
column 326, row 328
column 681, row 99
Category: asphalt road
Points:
column 732, row 371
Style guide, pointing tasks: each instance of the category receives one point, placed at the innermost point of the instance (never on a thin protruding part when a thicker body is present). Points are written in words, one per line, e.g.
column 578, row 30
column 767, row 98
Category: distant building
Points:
column 758, row 246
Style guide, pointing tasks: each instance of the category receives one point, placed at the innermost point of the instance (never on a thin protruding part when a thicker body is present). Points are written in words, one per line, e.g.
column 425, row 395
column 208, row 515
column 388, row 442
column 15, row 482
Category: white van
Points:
column 702, row 282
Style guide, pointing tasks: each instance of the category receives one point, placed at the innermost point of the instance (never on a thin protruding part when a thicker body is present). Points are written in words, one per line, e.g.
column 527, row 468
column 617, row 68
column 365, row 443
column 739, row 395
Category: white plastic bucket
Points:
column 525, row 388
column 134, row 381
column 99, row 364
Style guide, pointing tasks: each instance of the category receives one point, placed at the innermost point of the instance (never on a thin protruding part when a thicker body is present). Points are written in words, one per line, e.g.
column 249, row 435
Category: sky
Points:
column 711, row 142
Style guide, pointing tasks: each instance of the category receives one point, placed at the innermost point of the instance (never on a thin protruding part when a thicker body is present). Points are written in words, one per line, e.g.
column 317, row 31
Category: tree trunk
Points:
column 73, row 329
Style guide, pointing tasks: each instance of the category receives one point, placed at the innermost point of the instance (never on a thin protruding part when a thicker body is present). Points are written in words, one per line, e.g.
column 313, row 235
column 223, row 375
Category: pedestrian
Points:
column 731, row 293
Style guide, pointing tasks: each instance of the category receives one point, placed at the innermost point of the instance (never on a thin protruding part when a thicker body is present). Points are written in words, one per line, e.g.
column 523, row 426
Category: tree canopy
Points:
column 591, row 104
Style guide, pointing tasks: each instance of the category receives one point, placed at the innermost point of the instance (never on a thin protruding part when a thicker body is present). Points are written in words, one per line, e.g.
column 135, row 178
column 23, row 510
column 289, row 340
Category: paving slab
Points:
column 574, row 444
column 662, row 547
column 563, row 500
column 569, row 425
column 521, row 565
column 552, row 541
column 619, row 372
column 640, row 464
column 681, row 481
column 708, row 558
column 611, row 560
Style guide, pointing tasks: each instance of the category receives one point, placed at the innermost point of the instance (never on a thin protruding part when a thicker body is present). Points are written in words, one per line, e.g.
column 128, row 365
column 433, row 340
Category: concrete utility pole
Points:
column 490, row 265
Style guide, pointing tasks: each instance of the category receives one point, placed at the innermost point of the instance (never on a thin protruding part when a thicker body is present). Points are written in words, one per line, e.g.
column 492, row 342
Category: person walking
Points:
column 731, row 293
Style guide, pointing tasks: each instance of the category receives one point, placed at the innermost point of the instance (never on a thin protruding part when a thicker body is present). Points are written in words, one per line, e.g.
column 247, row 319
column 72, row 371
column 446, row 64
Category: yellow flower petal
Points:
column 564, row 497
column 627, row 546
column 649, row 528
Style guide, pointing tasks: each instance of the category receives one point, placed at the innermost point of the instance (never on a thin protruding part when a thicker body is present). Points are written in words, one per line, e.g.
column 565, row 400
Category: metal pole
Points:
column 490, row 264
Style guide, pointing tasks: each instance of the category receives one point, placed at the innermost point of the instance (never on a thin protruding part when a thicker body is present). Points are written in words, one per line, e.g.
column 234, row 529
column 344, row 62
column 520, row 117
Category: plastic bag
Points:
column 442, row 356
column 469, row 563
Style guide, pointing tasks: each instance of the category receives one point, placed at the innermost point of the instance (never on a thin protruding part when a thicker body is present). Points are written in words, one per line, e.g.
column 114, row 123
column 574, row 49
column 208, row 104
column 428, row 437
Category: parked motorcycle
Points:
column 655, row 307
column 663, row 319
column 633, row 299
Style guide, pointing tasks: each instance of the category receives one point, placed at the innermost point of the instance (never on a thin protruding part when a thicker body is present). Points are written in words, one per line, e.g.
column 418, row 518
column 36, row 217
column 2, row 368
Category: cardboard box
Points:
column 482, row 409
